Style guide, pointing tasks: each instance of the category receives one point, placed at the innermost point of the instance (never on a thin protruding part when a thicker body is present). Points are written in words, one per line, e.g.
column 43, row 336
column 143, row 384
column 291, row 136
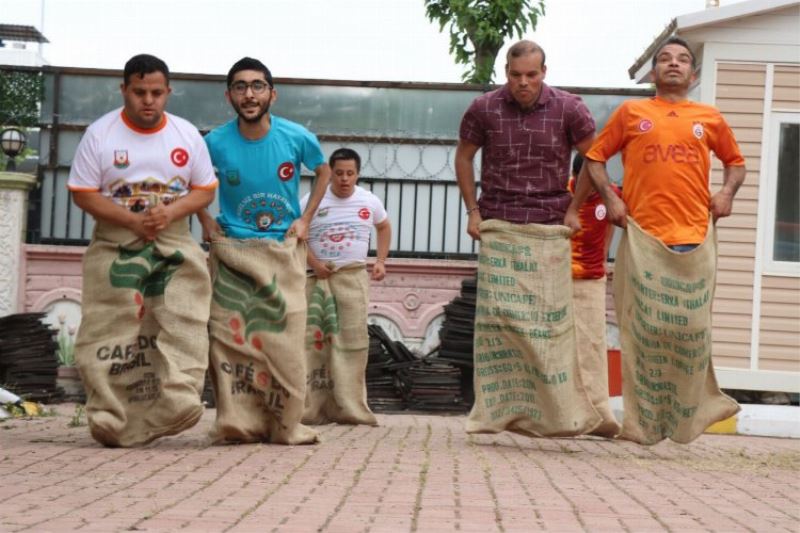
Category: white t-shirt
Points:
column 130, row 165
column 341, row 227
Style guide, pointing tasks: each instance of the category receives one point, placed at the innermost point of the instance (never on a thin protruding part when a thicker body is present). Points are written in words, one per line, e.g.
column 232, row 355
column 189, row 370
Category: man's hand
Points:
column 156, row 219
column 210, row 228
column 721, row 205
column 378, row 271
column 473, row 222
column 299, row 229
column 617, row 211
column 322, row 270
column 572, row 220
column 137, row 226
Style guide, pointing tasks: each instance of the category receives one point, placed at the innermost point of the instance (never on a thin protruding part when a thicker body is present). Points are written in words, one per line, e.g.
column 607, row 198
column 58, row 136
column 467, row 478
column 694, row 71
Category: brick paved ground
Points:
column 413, row 473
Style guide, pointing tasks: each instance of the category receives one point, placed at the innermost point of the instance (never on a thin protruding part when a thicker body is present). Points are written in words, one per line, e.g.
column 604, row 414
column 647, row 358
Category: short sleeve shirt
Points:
column 341, row 227
column 526, row 154
column 136, row 167
column 260, row 179
column 589, row 243
column 665, row 153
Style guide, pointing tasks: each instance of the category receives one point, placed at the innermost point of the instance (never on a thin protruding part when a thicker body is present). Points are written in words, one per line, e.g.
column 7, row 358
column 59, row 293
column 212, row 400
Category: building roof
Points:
column 16, row 32
column 708, row 17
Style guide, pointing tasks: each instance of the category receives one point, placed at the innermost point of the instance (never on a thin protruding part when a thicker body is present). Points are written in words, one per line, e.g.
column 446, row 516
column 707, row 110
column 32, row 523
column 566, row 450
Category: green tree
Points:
column 478, row 29
column 21, row 93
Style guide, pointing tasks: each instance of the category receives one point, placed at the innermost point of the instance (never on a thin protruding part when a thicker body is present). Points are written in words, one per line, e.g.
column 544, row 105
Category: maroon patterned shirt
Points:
column 526, row 154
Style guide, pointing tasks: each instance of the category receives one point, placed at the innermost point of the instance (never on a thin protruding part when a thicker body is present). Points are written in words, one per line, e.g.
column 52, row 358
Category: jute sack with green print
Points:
column 142, row 347
column 663, row 300
column 589, row 299
column 257, row 327
column 337, row 348
column 526, row 370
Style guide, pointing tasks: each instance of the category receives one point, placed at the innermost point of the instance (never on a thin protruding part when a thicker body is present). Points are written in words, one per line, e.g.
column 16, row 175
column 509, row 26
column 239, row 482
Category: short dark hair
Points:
column 577, row 163
column 523, row 48
column 248, row 63
column 144, row 64
column 345, row 154
column 680, row 42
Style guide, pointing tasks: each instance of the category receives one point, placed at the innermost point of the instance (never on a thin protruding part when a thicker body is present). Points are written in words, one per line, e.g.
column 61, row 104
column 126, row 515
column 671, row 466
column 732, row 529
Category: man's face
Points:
column 344, row 178
column 673, row 68
column 525, row 75
column 145, row 99
column 250, row 95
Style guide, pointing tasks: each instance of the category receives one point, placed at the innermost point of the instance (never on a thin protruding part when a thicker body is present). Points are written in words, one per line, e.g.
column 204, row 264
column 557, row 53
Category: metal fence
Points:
column 406, row 134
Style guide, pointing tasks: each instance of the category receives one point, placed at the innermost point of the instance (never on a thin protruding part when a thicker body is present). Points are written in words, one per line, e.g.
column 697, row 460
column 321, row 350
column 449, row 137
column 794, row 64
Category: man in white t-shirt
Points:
column 142, row 347
column 340, row 231
column 336, row 335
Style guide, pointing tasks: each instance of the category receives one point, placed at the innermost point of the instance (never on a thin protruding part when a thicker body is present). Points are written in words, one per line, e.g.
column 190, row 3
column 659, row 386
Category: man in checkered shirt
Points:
column 527, row 131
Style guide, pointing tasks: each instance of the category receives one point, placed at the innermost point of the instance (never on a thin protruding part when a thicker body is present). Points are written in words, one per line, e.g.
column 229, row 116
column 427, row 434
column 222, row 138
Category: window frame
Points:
column 770, row 185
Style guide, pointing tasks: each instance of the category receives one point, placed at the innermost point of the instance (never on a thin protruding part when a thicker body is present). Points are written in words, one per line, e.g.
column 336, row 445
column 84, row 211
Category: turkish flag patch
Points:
column 286, row 171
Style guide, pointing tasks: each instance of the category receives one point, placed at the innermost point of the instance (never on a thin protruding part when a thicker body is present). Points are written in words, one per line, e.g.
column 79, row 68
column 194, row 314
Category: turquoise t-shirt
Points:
column 259, row 181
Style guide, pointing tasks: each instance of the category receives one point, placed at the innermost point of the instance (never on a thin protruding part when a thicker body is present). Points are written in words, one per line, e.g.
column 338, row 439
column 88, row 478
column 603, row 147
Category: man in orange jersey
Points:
column 589, row 252
column 665, row 143
column 665, row 270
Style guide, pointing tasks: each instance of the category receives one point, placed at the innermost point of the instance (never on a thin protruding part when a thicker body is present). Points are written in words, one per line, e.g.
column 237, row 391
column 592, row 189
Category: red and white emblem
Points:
column 600, row 212
column 179, row 157
column 286, row 171
column 121, row 158
column 645, row 124
column 363, row 213
column 697, row 130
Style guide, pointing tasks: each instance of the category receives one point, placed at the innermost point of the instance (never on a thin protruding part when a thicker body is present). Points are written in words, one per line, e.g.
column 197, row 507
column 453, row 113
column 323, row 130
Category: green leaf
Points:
column 260, row 308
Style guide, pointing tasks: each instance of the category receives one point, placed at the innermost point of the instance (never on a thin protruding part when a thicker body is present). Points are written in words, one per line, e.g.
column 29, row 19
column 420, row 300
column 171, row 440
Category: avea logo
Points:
column 675, row 153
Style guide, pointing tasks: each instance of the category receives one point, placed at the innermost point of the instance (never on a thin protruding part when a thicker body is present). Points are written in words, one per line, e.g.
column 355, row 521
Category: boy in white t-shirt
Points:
column 340, row 231
column 142, row 347
column 336, row 335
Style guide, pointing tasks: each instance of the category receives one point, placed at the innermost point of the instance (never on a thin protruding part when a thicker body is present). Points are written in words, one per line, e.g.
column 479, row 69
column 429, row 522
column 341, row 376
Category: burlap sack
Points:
column 258, row 318
column 663, row 300
column 589, row 298
column 142, row 348
column 337, row 348
column 526, row 371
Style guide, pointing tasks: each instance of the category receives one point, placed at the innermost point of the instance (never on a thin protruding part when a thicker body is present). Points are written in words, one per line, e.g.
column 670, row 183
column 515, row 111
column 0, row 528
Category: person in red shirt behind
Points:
column 589, row 252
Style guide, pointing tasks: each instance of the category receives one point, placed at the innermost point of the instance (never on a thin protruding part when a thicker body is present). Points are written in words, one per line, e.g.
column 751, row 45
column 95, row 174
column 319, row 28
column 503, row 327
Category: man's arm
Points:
column 582, row 190
column 722, row 201
column 617, row 211
column 465, row 175
column 209, row 224
column 384, row 232
column 300, row 225
column 159, row 217
column 104, row 209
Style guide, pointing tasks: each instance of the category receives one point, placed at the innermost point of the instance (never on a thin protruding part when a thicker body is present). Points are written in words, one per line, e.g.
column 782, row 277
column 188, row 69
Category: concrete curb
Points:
column 757, row 420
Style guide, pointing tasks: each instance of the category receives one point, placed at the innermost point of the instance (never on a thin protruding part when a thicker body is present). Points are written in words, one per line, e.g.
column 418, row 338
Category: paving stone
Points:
column 412, row 473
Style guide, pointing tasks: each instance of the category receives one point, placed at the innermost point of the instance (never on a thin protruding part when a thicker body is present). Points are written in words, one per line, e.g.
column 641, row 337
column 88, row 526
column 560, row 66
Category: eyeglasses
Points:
column 258, row 87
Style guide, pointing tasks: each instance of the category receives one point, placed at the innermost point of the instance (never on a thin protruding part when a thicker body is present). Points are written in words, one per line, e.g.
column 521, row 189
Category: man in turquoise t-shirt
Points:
column 257, row 158
column 258, row 258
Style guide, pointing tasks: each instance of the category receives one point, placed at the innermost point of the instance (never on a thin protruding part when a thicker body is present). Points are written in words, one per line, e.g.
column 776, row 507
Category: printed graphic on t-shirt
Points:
column 334, row 239
column 286, row 171
column 264, row 210
column 121, row 159
column 143, row 194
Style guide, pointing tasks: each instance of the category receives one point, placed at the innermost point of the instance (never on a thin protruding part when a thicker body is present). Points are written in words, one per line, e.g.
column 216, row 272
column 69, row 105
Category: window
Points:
column 783, row 187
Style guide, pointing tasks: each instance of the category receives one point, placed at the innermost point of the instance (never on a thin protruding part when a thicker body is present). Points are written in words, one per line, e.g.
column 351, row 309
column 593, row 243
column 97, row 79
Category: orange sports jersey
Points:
column 589, row 244
column 665, row 152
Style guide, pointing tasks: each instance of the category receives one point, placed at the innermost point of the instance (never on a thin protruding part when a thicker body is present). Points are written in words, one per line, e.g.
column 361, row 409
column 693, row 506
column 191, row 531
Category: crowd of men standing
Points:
column 280, row 320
